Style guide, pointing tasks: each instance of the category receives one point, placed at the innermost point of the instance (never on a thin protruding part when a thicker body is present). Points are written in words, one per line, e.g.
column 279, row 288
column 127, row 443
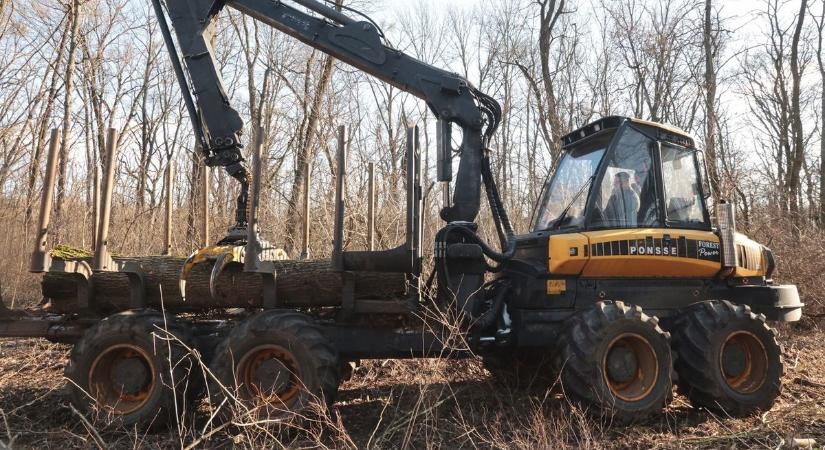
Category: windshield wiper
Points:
column 564, row 212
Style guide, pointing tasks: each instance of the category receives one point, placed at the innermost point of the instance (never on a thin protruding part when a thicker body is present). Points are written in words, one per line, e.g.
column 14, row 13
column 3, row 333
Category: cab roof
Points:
column 664, row 132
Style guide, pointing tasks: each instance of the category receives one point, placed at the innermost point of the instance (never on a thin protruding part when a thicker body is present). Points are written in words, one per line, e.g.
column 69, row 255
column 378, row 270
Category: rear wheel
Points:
column 131, row 369
column 729, row 359
column 275, row 364
column 615, row 359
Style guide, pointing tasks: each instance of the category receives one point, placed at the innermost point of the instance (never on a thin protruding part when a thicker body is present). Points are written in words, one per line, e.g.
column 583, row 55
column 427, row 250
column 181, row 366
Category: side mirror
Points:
column 444, row 150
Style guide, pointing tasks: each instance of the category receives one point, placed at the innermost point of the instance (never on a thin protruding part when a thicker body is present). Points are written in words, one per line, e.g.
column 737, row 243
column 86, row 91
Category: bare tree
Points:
column 797, row 132
column 710, row 43
column 820, row 59
column 543, row 85
column 772, row 82
column 42, row 128
column 658, row 43
column 304, row 141
column 71, row 27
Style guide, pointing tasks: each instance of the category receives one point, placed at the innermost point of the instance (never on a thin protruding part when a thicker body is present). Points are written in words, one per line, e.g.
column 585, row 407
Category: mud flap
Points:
column 777, row 302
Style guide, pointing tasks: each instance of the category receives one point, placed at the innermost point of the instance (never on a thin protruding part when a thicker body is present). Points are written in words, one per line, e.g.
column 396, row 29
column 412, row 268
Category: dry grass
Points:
column 430, row 403
column 421, row 404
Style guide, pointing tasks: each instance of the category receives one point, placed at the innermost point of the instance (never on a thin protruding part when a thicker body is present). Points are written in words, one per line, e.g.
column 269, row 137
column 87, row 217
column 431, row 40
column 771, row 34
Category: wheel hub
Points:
column 270, row 374
column 122, row 378
column 630, row 367
column 743, row 362
column 622, row 364
column 129, row 375
column 734, row 360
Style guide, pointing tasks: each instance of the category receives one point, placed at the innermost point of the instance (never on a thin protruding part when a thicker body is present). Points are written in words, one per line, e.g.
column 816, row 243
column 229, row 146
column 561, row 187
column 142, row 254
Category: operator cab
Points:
column 619, row 173
column 621, row 231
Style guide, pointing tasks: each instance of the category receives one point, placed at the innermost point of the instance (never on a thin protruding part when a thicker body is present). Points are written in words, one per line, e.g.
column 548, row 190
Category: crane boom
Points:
column 452, row 99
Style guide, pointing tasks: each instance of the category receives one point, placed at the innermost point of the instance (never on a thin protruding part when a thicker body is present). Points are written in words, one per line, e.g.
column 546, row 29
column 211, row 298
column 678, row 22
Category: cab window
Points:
column 626, row 196
column 565, row 195
column 683, row 196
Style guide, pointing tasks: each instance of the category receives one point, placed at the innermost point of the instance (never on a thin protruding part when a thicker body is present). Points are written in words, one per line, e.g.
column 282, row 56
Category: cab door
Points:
column 647, row 217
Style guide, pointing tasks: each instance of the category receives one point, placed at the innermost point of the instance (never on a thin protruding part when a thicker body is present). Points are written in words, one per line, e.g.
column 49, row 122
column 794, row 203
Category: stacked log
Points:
column 299, row 284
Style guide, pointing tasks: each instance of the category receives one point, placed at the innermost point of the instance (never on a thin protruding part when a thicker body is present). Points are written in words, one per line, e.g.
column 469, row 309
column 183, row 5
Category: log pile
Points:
column 299, row 283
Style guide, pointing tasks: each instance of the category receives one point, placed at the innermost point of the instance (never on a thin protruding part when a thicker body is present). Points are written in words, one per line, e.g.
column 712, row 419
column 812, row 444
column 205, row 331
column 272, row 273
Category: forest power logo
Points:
column 680, row 247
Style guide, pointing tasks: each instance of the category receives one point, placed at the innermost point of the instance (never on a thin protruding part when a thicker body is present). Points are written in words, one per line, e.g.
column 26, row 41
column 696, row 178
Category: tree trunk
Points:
column 34, row 168
column 192, row 201
column 550, row 13
column 797, row 132
column 820, row 60
column 710, row 104
column 304, row 153
column 74, row 22
column 299, row 283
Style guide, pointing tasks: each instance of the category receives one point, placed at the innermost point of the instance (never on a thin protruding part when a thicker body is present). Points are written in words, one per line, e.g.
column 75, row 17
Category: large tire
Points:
column 729, row 359
column 615, row 360
column 276, row 364
column 127, row 371
column 521, row 368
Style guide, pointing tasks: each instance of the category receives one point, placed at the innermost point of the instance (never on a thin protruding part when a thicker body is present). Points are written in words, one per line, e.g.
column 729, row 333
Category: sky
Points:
column 740, row 18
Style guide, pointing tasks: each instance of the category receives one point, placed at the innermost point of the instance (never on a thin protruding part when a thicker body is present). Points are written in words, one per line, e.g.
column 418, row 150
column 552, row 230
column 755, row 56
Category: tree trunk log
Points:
column 299, row 284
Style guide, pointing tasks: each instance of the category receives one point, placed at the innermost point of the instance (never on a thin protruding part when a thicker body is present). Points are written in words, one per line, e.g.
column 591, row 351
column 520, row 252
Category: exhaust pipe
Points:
column 727, row 234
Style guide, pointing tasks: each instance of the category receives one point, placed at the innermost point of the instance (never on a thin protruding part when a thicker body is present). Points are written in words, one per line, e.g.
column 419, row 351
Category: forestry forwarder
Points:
column 622, row 271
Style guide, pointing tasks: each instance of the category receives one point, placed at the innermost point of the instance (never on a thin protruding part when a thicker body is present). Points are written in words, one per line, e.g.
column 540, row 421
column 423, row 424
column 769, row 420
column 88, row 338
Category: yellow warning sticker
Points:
column 556, row 286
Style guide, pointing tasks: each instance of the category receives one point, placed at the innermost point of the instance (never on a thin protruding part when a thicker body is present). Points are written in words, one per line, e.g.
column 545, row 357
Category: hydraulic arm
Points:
column 460, row 252
column 359, row 43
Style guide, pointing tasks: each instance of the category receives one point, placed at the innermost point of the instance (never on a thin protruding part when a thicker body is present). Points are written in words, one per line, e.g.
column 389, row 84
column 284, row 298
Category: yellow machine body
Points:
column 650, row 253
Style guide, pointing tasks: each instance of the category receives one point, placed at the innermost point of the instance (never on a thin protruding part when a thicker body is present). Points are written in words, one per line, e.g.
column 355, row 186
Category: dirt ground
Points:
column 425, row 404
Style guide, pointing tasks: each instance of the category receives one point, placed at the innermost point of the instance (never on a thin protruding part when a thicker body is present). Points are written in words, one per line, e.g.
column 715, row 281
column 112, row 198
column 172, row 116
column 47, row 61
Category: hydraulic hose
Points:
column 504, row 228
column 489, row 317
column 502, row 221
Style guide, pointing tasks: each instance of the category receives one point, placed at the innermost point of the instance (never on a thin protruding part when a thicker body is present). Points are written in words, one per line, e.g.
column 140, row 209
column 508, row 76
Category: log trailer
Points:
column 622, row 282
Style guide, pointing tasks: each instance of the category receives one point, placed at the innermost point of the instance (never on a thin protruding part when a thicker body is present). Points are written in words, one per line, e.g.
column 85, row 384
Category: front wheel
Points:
column 616, row 359
column 729, row 359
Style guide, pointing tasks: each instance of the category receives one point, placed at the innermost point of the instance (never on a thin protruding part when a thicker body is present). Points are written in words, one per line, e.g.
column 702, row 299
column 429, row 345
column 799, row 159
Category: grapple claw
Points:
column 184, row 273
column 220, row 263
column 221, row 254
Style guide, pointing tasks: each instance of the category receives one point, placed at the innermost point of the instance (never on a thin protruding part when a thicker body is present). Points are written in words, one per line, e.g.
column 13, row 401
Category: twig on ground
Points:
column 101, row 444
